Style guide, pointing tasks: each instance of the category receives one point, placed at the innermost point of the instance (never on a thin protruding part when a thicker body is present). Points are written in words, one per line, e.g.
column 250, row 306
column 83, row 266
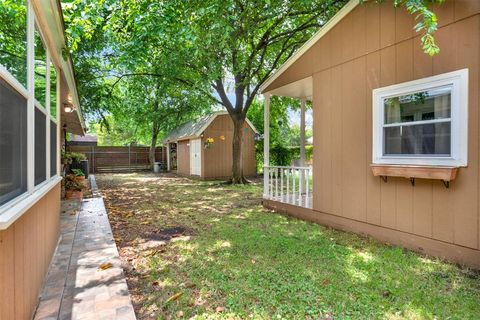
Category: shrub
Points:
column 78, row 173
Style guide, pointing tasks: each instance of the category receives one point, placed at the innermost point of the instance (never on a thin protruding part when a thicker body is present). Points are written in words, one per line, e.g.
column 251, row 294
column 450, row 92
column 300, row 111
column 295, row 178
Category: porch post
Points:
column 302, row 132
column 266, row 143
column 168, row 156
column 302, row 145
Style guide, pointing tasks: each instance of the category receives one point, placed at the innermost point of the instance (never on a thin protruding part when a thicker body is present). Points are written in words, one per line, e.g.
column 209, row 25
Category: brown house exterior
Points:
column 363, row 48
column 31, row 122
column 215, row 159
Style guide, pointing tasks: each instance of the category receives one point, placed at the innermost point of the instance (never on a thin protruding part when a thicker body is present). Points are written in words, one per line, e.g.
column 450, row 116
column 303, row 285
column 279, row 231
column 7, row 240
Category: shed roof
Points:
column 195, row 128
column 85, row 138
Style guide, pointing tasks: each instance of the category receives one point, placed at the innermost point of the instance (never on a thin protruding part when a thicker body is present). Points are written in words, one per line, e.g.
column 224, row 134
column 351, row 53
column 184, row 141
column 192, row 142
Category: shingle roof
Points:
column 191, row 128
column 194, row 128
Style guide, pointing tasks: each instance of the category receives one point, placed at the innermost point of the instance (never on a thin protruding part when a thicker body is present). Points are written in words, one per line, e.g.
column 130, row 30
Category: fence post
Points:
column 129, row 158
column 93, row 160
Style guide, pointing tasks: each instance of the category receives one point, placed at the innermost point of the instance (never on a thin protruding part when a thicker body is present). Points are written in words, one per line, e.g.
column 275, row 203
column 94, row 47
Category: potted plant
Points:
column 79, row 161
column 73, row 188
column 79, row 176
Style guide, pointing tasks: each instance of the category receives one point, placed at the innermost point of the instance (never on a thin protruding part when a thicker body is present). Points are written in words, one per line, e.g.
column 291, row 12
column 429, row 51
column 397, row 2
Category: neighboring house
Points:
column 195, row 156
column 85, row 141
column 396, row 132
column 37, row 87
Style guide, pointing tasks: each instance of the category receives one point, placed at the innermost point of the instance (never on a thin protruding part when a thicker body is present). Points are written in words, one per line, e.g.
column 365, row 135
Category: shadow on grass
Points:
column 239, row 260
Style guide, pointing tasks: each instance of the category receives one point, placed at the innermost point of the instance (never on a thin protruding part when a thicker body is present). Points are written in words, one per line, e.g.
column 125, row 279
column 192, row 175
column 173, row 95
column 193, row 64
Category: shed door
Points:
column 195, row 157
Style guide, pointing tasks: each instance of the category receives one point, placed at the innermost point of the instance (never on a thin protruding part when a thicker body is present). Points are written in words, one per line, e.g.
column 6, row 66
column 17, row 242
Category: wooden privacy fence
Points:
column 119, row 159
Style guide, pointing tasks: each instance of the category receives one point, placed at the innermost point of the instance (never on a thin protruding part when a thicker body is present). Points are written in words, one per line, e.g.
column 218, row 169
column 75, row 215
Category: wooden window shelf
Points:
column 446, row 174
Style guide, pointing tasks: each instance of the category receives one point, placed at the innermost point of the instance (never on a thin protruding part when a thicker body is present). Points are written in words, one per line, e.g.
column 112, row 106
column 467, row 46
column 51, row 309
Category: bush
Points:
column 281, row 155
column 77, row 157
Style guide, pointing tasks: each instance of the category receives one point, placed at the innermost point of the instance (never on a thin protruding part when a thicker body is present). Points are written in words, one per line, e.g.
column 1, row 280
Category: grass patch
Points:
column 206, row 250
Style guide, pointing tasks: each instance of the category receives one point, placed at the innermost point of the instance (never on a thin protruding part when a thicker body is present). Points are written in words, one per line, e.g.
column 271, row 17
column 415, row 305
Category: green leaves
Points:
column 428, row 23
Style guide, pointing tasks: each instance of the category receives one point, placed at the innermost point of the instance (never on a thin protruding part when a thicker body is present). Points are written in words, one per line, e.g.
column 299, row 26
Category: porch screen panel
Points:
column 53, row 149
column 40, row 147
column 13, row 143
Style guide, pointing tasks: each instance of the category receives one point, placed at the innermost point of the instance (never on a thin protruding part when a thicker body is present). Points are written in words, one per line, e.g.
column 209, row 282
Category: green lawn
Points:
column 209, row 250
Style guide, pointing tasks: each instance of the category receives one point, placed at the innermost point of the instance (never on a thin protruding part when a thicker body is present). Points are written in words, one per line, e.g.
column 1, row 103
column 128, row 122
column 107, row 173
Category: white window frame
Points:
column 458, row 80
column 16, row 207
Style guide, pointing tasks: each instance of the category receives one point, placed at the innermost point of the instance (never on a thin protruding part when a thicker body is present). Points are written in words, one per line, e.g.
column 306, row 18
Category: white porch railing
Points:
column 292, row 185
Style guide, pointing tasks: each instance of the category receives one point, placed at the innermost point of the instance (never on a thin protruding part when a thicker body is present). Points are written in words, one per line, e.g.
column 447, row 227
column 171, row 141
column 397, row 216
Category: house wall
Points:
column 26, row 248
column 374, row 46
column 183, row 157
column 217, row 160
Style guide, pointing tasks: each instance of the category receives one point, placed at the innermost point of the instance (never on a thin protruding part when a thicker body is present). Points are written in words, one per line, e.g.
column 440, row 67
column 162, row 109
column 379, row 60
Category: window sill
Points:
column 443, row 173
column 10, row 213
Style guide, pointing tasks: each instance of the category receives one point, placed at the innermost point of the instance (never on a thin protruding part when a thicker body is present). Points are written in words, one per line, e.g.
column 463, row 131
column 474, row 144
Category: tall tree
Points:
column 235, row 45
column 224, row 49
column 128, row 83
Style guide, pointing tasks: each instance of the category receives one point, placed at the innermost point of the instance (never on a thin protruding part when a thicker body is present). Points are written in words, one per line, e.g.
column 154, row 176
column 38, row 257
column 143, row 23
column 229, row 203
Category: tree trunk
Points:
column 153, row 145
column 155, row 131
column 237, row 165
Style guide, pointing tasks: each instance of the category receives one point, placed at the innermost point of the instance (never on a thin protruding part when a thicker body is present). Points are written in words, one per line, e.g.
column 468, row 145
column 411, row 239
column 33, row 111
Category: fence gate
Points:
column 119, row 159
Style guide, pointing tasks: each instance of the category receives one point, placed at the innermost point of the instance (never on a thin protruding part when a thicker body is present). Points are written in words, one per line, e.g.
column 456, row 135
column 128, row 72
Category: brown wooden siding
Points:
column 369, row 28
column 26, row 249
column 217, row 160
column 345, row 70
column 183, row 157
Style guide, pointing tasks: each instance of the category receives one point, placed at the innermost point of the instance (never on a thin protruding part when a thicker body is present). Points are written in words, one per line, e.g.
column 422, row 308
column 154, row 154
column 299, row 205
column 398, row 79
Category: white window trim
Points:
column 459, row 120
column 16, row 207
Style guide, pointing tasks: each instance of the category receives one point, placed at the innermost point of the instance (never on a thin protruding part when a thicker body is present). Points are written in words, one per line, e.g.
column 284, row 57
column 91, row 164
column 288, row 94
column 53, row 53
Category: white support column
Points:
column 302, row 146
column 302, row 132
column 266, row 141
column 47, row 108
column 31, row 98
column 168, row 156
column 59, row 127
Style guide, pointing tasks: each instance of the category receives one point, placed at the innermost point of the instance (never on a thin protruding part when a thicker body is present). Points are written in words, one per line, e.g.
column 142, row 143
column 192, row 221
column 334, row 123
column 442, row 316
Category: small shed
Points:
column 203, row 147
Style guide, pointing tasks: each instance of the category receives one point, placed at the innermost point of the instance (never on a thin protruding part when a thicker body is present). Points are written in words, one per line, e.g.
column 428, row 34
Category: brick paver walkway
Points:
column 76, row 288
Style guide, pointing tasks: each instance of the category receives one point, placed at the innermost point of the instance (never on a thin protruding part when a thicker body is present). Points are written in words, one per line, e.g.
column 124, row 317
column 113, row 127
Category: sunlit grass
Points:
column 236, row 260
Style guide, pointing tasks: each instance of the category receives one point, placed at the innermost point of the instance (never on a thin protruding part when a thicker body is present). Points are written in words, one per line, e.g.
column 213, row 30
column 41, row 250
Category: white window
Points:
column 422, row 122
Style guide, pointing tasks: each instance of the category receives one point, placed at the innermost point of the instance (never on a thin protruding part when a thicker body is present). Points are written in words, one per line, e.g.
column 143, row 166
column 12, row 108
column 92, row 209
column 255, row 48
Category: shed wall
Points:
column 217, row 160
column 183, row 157
column 375, row 46
column 26, row 249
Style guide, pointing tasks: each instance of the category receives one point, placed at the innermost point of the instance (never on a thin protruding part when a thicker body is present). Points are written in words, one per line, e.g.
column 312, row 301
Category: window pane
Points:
column 420, row 106
column 424, row 139
column 40, row 147
column 53, row 91
column 13, row 38
column 40, row 69
column 53, row 149
column 13, row 143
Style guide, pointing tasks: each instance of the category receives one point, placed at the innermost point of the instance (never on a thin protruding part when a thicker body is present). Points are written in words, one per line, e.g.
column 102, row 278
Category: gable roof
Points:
column 195, row 128
column 347, row 8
